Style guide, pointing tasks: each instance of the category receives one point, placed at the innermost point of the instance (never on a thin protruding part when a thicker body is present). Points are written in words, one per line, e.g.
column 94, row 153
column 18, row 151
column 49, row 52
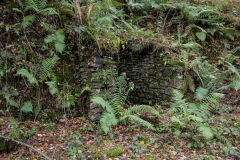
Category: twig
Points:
column 27, row 41
column 26, row 145
column 165, row 19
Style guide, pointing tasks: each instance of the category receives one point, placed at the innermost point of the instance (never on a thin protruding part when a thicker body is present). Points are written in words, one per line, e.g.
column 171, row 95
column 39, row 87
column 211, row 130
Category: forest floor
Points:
column 78, row 138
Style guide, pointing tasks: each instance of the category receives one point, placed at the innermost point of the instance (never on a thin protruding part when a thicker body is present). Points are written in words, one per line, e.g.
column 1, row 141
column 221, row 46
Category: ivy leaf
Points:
column 201, row 35
column 27, row 21
column 27, row 107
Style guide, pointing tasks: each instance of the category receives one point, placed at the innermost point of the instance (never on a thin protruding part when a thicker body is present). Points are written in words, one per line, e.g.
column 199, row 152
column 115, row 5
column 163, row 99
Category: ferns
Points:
column 27, row 21
column 114, row 112
column 39, row 6
column 235, row 79
column 29, row 76
column 211, row 101
column 107, row 121
column 137, row 109
column 137, row 119
column 121, row 91
column 196, row 113
column 36, row 5
column 206, row 132
column 205, row 15
column 46, row 70
column 58, row 40
column 104, row 104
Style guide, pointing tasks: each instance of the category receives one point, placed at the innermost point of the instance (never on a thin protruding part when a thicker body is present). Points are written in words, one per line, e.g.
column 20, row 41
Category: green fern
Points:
column 52, row 87
column 235, row 80
column 27, row 21
column 121, row 91
column 39, row 6
column 212, row 101
column 58, row 40
column 205, row 15
column 193, row 115
column 46, row 70
column 139, row 120
column 107, row 121
column 206, row 132
column 114, row 112
column 138, row 109
column 24, row 73
column 27, row 107
column 106, row 106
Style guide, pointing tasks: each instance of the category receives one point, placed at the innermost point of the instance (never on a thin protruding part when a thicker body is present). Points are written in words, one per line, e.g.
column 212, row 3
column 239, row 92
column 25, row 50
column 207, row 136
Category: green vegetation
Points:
column 61, row 60
column 115, row 112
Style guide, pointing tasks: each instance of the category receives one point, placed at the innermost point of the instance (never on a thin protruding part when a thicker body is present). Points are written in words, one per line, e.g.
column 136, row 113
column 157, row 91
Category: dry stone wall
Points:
column 152, row 76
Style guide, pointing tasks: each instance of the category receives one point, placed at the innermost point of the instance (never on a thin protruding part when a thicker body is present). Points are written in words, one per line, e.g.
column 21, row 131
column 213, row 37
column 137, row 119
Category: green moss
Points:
column 59, row 139
column 1, row 122
column 108, row 61
column 67, row 12
column 50, row 128
column 115, row 152
column 3, row 146
column 149, row 157
column 96, row 155
column 92, row 147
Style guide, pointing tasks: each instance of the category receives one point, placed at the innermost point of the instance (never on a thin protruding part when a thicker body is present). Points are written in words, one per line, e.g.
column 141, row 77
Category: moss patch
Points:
column 115, row 152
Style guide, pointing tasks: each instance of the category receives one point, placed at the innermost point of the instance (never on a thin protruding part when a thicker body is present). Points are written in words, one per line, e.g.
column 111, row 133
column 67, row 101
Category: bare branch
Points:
column 26, row 145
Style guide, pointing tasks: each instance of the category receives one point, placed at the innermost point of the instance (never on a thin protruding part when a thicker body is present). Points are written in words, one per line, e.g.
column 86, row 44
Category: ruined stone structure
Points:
column 153, row 77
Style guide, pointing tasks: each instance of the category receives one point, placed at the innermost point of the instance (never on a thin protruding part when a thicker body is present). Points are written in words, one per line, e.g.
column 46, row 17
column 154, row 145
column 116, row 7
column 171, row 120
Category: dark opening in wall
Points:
column 152, row 76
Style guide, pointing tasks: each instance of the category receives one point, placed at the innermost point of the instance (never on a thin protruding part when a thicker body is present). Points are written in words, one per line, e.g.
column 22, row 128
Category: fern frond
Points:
column 29, row 76
column 199, row 110
column 138, row 120
column 178, row 95
column 46, row 70
column 138, row 109
column 121, row 91
column 39, row 6
column 233, row 69
column 104, row 104
column 52, row 87
column 35, row 5
column 28, row 20
column 58, row 40
column 206, row 132
column 49, row 11
column 201, row 93
column 107, row 121
column 212, row 100
column 235, row 81
column 179, row 103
